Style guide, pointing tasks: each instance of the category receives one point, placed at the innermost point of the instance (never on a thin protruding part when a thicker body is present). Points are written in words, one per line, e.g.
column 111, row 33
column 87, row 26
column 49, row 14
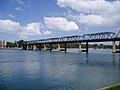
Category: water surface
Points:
column 44, row 70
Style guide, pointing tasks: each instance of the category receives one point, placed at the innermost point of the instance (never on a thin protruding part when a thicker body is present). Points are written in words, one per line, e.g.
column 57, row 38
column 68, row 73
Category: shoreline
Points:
column 10, row 48
column 112, row 87
column 54, row 49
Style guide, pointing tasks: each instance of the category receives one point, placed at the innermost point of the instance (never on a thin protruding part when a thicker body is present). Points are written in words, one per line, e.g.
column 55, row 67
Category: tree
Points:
column 10, row 44
column 20, row 43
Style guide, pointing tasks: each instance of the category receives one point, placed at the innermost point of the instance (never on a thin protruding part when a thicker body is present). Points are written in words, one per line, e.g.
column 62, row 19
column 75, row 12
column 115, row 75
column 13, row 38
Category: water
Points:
column 44, row 70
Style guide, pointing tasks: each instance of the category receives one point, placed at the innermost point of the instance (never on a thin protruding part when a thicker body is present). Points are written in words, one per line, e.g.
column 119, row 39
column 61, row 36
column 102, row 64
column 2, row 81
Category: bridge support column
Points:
column 113, row 47
column 30, row 47
column 40, row 46
column 119, row 46
column 34, row 47
column 25, row 47
column 65, row 47
column 87, row 47
column 58, row 47
column 80, row 47
column 45, row 47
column 50, row 47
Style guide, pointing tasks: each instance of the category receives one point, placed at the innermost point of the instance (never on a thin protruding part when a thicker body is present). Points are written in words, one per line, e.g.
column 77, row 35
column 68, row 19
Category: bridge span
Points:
column 86, row 38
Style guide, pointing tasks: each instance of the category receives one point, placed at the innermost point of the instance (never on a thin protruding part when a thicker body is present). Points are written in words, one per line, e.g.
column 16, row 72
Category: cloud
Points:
column 19, row 9
column 11, row 16
column 14, row 28
column 59, row 23
column 91, row 19
column 91, row 6
column 94, row 12
column 96, row 20
column 8, row 26
column 20, row 2
column 47, row 32
column 32, row 29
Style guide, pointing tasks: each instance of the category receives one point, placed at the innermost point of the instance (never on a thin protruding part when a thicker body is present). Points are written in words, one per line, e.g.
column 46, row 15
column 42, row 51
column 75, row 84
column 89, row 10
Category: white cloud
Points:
column 14, row 28
column 19, row 9
column 91, row 19
column 97, row 20
column 32, row 29
column 8, row 26
column 94, row 12
column 92, row 6
column 47, row 32
column 59, row 23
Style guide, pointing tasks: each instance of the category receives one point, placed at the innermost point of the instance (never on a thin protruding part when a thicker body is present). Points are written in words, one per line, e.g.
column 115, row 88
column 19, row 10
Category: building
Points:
column 2, row 44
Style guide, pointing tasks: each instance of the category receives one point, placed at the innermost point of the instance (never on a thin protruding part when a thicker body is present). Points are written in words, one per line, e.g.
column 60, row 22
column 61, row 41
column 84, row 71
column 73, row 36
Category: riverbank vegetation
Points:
column 15, row 44
column 115, row 87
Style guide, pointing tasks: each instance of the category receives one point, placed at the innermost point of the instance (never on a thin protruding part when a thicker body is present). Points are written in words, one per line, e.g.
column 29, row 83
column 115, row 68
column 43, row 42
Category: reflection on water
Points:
column 114, row 58
column 114, row 62
column 87, row 58
column 119, row 58
column 35, row 70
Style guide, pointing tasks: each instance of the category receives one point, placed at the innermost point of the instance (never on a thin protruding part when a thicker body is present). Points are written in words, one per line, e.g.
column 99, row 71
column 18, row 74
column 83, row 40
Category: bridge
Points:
column 86, row 38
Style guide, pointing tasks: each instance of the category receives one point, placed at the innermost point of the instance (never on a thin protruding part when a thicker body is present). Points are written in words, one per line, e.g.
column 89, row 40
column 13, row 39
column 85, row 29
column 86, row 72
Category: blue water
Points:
column 44, row 70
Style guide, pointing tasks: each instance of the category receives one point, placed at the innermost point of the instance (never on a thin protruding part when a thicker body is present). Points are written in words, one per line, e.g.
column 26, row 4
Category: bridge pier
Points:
column 113, row 47
column 119, row 46
column 50, row 47
column 25, row 47
column 65, row 47
column 80, row 47
column 45, row 47
column 40, row 46
column 87, row 47
column 58, row 47
column 34, row 47
column 29, row 47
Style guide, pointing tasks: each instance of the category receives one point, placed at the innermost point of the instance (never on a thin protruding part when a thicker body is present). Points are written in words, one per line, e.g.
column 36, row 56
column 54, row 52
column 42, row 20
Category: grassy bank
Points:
column 114, row 87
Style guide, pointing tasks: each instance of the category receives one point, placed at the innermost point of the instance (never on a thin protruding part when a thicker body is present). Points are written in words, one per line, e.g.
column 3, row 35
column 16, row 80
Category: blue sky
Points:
column 36, row 19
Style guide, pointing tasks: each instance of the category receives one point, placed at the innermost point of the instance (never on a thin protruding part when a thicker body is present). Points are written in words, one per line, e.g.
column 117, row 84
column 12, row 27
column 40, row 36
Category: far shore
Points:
column 16, row 48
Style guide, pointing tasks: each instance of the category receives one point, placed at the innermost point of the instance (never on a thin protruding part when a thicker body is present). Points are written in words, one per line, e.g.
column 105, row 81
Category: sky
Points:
column 38, row 19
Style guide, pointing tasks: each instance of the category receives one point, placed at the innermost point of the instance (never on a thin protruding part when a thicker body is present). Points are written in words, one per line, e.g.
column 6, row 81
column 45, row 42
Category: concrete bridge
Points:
column 86, row 38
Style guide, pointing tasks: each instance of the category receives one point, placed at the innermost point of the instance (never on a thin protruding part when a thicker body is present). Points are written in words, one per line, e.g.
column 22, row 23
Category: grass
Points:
column 115, row 87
